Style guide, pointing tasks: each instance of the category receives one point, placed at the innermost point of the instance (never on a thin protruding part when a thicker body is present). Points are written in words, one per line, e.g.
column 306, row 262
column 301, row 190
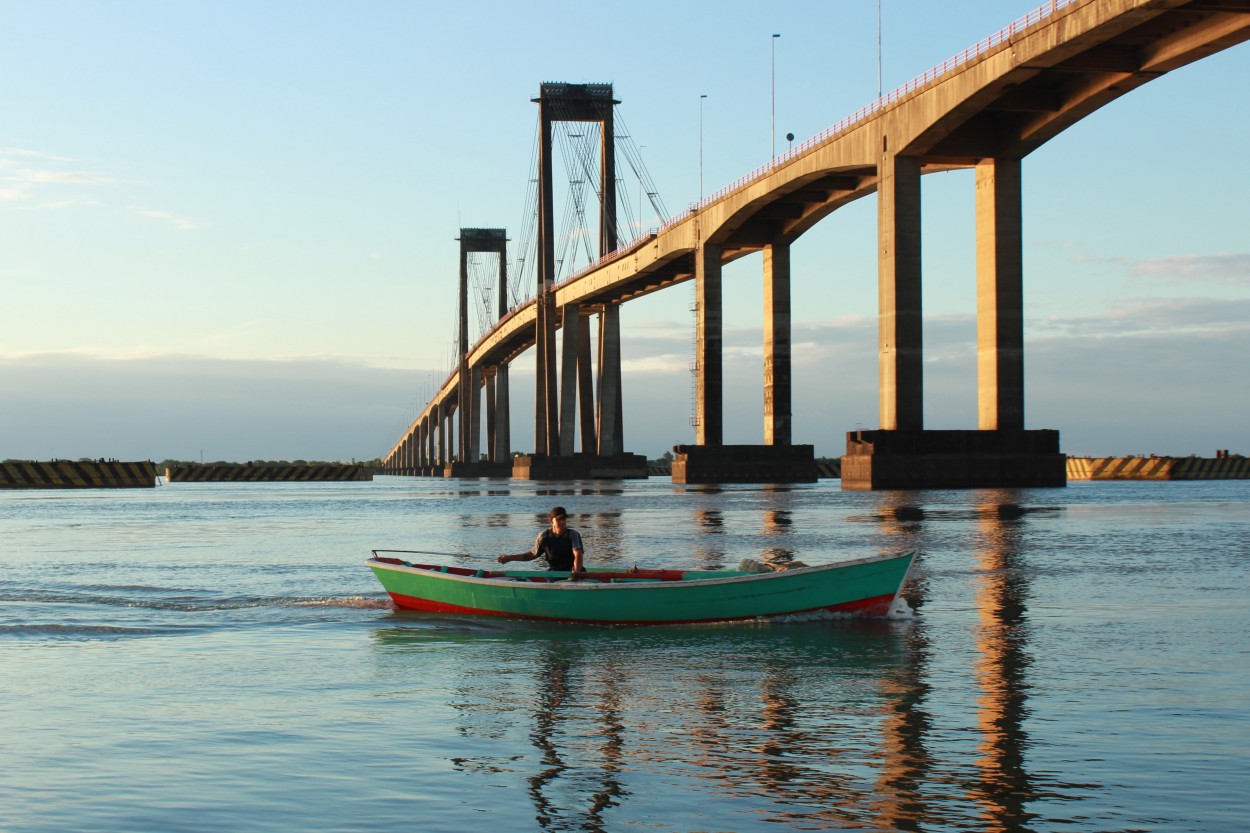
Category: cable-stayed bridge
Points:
column 985, row 109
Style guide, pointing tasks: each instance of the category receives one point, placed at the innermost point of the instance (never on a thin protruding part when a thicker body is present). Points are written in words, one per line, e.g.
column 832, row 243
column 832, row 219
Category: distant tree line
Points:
column 170, row 464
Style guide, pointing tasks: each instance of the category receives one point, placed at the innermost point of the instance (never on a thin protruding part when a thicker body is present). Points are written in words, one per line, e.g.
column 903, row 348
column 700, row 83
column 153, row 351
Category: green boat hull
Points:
column 866, row 586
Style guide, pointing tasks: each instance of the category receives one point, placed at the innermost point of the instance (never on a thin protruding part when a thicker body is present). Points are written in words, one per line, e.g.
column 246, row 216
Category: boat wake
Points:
column 78, row 631
column 899, row 611
column 356, row 602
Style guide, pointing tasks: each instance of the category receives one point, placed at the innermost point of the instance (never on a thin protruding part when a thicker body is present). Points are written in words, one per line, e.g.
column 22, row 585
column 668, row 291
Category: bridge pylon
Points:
column 470, row 461
column 556, row 406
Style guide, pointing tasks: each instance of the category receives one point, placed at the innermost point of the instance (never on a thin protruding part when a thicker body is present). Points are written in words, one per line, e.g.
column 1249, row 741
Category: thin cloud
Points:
column 1153, row 316
column 1228, row 268
column 5, row 153
column 1231, row 267
column 180, row 223
column 25, row 175
column 36, row 177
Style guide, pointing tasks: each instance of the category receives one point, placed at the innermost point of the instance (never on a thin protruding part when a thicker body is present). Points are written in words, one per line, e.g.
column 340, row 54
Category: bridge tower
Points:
column 556, row 407
column 469, row 462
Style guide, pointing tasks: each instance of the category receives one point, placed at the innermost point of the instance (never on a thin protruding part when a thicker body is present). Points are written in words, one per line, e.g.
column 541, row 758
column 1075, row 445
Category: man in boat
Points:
column 560, row 545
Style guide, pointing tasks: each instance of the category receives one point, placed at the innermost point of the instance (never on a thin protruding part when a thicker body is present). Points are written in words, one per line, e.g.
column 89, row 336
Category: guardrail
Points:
column 955, row 61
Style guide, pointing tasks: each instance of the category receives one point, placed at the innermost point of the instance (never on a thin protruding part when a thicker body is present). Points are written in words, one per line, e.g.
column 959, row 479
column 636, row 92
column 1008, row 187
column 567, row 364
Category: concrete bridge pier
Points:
column 430, row 428
column 395, row 465
column 596, row 413
column 445, row 410
column 497, row 415
column 418, row 449
column 777, row 460
column 501, row 434
column 1001, row 453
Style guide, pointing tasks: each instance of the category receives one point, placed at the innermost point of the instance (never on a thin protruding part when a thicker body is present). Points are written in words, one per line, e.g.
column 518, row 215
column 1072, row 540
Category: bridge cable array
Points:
column 579, row 143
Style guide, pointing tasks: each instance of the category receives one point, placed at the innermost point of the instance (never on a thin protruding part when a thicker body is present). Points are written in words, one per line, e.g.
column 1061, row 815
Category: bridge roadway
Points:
column 986, row 108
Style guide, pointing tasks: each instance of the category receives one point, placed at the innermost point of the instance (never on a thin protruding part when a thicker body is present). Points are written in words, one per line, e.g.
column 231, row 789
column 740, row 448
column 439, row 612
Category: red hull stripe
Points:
column 878, row 606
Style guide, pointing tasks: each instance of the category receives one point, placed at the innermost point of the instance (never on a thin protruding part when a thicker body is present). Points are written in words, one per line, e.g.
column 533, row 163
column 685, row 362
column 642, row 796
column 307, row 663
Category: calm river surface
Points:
column 204, row 657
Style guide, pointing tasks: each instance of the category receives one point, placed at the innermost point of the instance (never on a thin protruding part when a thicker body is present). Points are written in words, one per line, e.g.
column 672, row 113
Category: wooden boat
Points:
column 865, row 586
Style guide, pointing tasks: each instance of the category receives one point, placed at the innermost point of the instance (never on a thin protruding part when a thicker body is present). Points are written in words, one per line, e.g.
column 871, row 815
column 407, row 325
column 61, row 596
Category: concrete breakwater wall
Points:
column 826, row 468
column 71, row 474
column 1159, row 468
column 268, row 474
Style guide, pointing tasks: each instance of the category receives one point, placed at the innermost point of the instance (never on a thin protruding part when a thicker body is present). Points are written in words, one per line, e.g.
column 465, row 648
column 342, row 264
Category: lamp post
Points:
column 701, row 100
column 641, row 225
column 772, row 124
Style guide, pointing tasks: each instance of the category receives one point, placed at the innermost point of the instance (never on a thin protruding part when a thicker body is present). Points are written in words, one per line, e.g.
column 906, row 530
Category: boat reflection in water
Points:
column 795, row 725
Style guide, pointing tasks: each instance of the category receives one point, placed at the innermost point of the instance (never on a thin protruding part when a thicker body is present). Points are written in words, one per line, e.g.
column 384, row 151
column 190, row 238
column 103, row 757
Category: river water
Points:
column 203, row 657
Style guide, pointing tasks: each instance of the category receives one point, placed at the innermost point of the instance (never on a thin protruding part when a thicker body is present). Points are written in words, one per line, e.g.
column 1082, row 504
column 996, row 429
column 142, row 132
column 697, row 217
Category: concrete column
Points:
column 586, row 388
column 777, row 386
column 497, row 410
column 421, row 444
column 488, row 377
column 546, row 394
column 453, row 435
column 570, row 332
column 431, row 452
column 898, row 294
column 610, row 429
column 1000, row 296
column 466, row 389
column 473, row 443
column 546, row 425
column 440, row 455
column 607, row 184
column 443, row 445
column 709, row 380
column 503, row 417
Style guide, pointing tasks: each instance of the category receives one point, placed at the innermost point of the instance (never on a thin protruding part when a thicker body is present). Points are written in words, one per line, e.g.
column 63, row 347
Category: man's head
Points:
column 558, row 518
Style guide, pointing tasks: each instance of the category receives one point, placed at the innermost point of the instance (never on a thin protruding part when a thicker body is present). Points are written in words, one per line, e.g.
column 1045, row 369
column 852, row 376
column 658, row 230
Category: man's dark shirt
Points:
column 558, row 549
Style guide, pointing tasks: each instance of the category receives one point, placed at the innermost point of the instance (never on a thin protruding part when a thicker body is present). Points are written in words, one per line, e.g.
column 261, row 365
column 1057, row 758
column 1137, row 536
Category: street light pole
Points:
column 641, row 225
column 701, row 100
column 772, row 127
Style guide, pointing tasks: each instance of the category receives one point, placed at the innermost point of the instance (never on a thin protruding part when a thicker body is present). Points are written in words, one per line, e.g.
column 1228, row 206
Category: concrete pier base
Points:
column 579, row 467
column 952, row 460
column 474, row 470
column 744, row 464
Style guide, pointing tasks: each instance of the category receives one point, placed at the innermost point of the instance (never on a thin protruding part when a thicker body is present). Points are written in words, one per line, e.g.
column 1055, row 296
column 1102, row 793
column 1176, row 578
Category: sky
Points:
column 227, row 229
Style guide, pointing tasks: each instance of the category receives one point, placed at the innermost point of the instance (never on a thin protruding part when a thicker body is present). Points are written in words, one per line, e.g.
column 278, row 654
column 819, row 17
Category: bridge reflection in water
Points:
column 799, row 725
